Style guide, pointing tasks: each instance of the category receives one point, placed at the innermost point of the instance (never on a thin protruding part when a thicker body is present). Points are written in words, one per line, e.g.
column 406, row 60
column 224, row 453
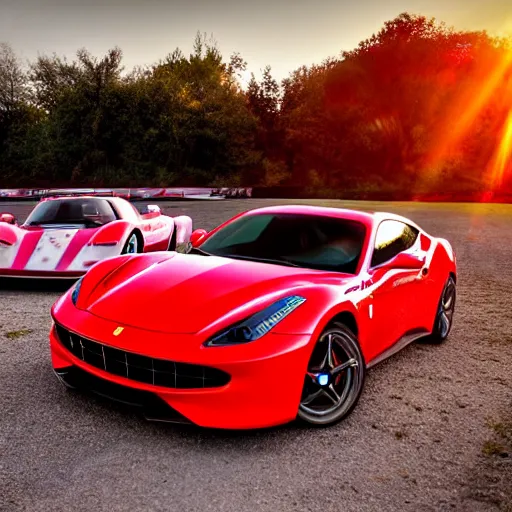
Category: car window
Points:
column 393, row 237
column 242, row 231
column 91, row 212
column 308, row 241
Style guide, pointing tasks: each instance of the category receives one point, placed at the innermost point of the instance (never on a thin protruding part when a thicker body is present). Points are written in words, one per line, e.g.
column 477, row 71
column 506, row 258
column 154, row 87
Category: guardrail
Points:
column 133, row 194
column 280, row 192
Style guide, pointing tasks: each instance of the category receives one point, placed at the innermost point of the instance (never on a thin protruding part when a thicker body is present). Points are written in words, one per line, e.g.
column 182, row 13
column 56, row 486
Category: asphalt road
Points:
column 414, row 443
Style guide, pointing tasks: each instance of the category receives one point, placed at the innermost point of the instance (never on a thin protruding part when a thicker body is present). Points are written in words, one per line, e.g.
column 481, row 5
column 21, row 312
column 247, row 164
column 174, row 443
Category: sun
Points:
column 505, row 29
column 245, row 77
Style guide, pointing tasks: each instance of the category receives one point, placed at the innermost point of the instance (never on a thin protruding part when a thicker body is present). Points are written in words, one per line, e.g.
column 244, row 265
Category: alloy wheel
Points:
column 334, row 379
column 446, row 309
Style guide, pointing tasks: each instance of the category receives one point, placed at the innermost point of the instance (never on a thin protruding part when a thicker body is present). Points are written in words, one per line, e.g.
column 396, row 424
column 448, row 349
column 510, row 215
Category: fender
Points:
column 8, row 234
column 113, row 233
column 442, row 252
column 183, row 227
column 321, row 306
column 327, row 317
column 450, row 253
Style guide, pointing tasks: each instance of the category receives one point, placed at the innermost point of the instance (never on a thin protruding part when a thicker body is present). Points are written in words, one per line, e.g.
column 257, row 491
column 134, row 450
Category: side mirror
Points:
column 153, row 208
column 9, row 218
column 406, row 261
column 197, row 237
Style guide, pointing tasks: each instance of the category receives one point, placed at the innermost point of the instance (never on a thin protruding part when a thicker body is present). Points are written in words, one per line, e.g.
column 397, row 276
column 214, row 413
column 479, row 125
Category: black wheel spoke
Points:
column 445, row 323
column 334, row 377
column 448, row 299
column 331, row 394
column 313, row 396
column 348, row 364
column 446, row 312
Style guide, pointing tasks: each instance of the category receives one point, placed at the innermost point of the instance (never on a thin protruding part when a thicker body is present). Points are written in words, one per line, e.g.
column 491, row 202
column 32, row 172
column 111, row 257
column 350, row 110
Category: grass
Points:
column 12, row 335
column 491, row 448
column 504, row 430
column 502, row 433
column 498, row 453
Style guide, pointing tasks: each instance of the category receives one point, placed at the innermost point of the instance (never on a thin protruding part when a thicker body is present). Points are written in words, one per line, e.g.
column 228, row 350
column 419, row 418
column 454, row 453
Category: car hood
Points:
column 181, row 293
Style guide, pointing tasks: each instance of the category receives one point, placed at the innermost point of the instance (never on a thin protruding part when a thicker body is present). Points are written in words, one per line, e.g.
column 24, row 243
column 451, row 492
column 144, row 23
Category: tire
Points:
column 172, row 241
column 444, row 316
column 329, row 397
column 132, row 245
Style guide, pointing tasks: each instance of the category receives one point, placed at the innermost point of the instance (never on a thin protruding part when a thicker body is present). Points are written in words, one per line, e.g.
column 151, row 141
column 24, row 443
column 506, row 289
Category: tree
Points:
column 417, row 105
column 14, row 88
column 17, row 114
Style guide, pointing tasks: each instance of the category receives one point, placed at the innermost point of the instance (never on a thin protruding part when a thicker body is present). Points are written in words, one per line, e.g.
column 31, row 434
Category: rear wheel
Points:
column 132, row 245
column 335, row 378
column 444, row 316
column 172, row 241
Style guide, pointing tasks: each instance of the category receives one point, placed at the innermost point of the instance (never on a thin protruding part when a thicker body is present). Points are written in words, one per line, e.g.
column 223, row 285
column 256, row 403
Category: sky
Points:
column 284, row 34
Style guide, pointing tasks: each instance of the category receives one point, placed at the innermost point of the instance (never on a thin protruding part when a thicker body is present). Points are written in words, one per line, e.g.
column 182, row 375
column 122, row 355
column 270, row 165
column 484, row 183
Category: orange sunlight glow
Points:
column 501, row 160
column 461, row 117
column 469, row 112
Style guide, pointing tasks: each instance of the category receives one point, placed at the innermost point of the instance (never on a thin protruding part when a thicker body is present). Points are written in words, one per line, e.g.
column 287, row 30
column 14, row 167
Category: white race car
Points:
column 64, row 236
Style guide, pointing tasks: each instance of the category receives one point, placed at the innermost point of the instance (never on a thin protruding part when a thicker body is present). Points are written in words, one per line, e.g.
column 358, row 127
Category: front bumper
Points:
column 152, row 407
column 265, row 386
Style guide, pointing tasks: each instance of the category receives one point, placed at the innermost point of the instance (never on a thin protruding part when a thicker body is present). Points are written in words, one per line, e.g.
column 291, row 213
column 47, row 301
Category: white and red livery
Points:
column 64, row 236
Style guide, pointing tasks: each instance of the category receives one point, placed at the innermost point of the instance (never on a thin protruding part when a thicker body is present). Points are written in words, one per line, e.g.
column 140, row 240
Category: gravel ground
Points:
column 414, row 443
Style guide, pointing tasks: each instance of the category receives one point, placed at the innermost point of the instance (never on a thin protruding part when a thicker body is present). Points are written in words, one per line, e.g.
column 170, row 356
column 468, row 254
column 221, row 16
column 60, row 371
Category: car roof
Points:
column 72, row 198
column 326, row 211
column 368, row 218
column 112, row 199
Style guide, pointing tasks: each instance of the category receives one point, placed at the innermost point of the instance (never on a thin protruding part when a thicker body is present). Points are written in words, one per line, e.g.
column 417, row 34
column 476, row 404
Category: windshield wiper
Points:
column 262, row 260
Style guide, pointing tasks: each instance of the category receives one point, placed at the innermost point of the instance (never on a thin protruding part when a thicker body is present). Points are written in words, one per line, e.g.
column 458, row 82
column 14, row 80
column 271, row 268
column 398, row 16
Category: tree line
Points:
column 416, row 106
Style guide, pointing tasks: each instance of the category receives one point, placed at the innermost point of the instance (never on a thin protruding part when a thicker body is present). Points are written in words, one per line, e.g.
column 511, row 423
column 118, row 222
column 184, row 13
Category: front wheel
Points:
column 132, row 245
column 335, row 378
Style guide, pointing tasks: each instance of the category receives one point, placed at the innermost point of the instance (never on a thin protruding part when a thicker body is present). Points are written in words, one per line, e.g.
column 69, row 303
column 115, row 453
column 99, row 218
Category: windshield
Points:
column 91, row 212
column 316, row 242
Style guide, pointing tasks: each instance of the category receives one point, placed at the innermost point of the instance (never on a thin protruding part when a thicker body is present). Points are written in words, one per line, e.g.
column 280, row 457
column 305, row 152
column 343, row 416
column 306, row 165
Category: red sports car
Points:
column 276, row 314
column 64, row 236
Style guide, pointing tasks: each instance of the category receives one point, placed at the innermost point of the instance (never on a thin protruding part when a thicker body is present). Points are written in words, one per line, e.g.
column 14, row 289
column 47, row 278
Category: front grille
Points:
column 158, row 372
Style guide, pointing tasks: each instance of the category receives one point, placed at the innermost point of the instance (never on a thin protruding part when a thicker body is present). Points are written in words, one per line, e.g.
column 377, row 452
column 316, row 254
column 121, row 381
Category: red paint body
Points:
column 169, row 304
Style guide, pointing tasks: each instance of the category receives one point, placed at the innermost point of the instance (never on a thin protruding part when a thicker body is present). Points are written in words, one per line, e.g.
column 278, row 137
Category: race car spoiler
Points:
column 55, row 195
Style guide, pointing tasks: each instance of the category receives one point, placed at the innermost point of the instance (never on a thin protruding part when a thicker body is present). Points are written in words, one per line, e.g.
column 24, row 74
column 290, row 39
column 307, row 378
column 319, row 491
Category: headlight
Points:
column 76, row 291
column 257, row 325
